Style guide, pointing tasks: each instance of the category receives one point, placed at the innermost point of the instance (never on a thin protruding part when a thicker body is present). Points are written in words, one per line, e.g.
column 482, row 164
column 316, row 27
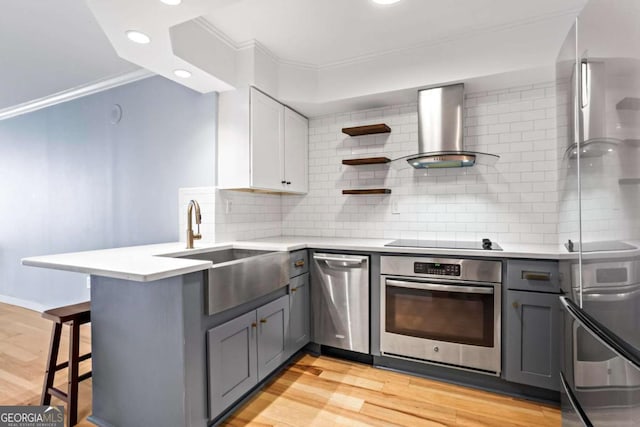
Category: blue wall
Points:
column 70, row 180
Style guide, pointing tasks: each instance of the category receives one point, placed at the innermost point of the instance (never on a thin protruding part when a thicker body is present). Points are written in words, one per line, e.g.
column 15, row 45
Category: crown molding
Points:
column 208, row 26
column 449, row 39
column 204, row 23
column 74, row 93
column 249, row 44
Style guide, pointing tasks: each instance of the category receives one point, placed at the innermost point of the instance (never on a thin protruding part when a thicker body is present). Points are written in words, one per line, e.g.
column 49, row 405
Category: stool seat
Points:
column 73, row 315
column 80, row 312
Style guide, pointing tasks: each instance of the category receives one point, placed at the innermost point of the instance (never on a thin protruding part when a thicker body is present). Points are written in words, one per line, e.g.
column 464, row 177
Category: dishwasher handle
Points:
column 351, row 260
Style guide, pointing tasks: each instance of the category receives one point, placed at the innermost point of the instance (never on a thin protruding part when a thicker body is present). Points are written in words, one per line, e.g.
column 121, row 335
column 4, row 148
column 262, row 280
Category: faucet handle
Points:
column 197, row 235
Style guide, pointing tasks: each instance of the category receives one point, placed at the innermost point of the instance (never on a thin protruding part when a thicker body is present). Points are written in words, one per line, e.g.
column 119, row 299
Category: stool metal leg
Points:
column 74, row 355
column 52, row 361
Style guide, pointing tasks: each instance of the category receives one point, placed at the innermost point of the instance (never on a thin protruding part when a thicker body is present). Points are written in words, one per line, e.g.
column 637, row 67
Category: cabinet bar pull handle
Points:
column 542, row 276
column 299, row 263
column 263, row 320
column 294, row 289
column 515, row 304
column 254, row 325
column 283, row 182
column 288, row 182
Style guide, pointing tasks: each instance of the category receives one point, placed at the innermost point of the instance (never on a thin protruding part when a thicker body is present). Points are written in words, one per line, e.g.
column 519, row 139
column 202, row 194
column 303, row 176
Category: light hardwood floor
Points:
column 313, row 391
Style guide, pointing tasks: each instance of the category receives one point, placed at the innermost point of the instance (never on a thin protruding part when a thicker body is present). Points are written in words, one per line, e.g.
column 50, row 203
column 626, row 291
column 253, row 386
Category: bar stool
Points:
column 74, row 316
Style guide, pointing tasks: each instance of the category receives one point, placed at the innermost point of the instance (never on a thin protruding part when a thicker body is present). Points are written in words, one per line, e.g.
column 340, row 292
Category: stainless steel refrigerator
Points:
column 598, row 114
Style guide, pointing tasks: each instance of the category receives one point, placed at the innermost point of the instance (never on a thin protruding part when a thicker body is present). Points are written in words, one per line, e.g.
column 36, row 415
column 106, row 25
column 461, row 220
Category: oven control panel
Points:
column 436, row 268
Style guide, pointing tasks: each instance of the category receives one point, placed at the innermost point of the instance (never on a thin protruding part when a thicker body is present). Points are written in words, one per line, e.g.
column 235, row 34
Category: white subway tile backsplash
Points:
column 514, row 201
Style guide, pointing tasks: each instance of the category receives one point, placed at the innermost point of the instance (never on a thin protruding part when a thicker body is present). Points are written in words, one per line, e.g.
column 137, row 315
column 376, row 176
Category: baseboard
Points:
column 31, row 305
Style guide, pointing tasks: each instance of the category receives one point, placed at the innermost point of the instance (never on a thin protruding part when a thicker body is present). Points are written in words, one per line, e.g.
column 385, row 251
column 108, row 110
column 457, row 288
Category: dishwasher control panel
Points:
column 436, row 268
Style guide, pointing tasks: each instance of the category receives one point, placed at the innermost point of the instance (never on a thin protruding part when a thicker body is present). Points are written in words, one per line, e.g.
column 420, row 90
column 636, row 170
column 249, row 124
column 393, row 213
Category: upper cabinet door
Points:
column 296, row 149
column 267, row 142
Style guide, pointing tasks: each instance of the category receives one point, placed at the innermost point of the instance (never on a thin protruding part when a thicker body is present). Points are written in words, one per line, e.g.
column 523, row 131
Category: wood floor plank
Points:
column 404, row 404
column 394, row 416
column 313, row 391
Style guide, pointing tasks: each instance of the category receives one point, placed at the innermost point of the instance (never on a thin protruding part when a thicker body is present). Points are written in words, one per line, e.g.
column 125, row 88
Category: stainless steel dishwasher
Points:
column 340, row 301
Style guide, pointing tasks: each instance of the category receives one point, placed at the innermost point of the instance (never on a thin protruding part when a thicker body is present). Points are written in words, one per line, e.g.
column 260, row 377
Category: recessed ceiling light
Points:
column 171, row 2
column 385, row 1
column 182, row 73
column 138, row 37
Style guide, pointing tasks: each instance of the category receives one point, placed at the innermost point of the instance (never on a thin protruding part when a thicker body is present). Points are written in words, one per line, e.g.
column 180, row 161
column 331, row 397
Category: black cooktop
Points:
column 484, row 244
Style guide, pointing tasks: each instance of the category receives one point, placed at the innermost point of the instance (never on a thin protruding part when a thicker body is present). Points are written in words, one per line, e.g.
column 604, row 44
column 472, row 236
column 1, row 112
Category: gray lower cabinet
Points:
column 299, row 314
column 233, row 366
column 243, row 351
column 532, row 339
column 273, row 323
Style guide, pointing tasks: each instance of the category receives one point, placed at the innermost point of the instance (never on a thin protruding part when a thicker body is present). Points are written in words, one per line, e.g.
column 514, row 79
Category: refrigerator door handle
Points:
column 601, row 333
column 574, row 402
column 585, row 77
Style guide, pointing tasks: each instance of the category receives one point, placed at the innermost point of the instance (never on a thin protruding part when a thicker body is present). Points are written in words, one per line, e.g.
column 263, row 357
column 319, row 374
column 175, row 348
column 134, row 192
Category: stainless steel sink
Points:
column 241, row 275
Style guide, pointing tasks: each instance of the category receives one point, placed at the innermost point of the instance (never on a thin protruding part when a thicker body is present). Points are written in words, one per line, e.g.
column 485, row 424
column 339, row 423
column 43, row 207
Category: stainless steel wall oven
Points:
column 442, row 310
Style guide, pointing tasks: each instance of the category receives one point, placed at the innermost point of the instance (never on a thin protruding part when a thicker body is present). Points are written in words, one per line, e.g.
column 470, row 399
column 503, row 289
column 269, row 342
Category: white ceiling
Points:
column 51, row 46
column 317, row 51
column 330, row 32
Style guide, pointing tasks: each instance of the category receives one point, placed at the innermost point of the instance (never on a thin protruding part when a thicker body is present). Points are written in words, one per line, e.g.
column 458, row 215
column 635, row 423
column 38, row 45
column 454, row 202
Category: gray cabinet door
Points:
column 299, row 314
column 232, row 361
column 532, row 339
column 273, row 325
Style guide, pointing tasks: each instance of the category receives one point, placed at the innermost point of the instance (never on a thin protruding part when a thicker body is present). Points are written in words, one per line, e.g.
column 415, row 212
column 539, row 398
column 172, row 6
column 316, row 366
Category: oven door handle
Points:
column 443, row 288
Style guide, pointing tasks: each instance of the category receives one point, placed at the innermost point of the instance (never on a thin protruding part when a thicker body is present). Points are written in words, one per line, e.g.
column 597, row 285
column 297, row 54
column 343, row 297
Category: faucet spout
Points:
column 191, row 236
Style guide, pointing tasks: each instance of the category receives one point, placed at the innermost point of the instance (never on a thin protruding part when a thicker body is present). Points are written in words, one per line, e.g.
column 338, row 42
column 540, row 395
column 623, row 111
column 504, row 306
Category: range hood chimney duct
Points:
column 441, row 131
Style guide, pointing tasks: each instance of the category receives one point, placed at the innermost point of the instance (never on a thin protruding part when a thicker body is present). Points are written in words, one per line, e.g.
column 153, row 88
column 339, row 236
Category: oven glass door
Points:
column 454, row 313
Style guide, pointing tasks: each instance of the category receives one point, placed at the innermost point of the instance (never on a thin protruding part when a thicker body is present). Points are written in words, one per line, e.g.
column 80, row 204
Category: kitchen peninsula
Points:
column 151, row 327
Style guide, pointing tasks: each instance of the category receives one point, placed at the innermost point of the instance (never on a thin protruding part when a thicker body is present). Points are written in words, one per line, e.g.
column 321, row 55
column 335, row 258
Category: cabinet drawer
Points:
column 541, row 276
column 299, row 263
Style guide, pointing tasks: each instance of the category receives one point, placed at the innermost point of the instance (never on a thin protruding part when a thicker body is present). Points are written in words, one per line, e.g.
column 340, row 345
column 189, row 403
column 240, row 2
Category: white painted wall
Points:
column 72, row 181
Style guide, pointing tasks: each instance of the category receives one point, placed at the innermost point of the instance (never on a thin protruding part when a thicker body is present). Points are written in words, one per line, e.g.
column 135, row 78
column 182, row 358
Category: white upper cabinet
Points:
column 267, row 142
column 262, row 145
column 296, row 151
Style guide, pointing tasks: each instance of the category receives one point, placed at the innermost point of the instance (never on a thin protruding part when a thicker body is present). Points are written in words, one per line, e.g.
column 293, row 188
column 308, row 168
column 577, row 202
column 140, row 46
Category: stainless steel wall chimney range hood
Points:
column 441, row 131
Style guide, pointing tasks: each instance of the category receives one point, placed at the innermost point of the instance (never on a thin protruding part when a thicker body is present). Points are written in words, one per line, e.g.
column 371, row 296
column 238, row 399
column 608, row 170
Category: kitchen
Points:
column 496, row 274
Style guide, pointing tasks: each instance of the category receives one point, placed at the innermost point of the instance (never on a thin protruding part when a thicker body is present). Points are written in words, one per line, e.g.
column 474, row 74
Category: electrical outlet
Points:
column 227, row 206
column 395, row 208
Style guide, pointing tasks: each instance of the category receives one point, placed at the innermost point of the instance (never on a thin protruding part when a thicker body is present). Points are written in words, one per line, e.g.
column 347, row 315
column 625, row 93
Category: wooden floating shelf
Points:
column 368, row 191
column 366, row 161
column 367, row 130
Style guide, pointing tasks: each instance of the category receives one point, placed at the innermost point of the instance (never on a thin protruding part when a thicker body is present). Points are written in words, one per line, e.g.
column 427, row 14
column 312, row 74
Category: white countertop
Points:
column 153, row 262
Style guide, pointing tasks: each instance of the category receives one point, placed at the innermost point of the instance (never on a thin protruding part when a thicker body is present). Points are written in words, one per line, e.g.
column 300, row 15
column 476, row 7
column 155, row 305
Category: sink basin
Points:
column 241, row 275
column 225, row 255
